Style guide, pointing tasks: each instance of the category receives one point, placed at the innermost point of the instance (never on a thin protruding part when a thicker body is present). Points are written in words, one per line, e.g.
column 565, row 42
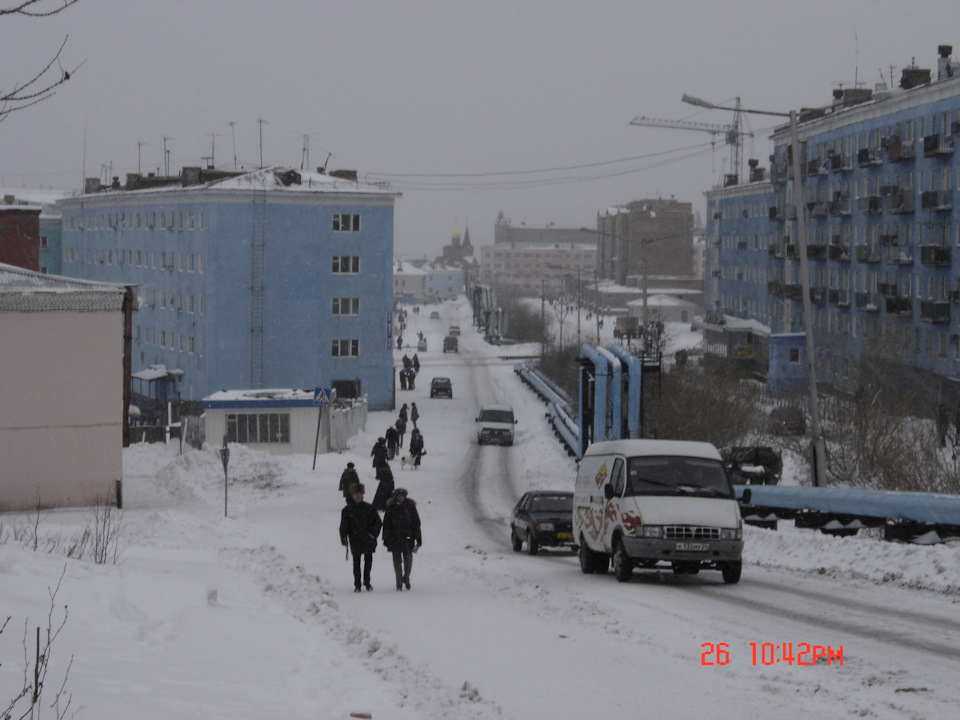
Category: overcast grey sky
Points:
column 468, row 108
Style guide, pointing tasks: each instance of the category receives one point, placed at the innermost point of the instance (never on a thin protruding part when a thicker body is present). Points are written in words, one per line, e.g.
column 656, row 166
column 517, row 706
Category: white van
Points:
column 495, row 425
column 650, row 503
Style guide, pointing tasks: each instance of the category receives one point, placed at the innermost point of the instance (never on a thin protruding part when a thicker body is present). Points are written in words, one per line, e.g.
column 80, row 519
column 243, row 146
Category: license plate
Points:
column 564, row 536
column 692, row 547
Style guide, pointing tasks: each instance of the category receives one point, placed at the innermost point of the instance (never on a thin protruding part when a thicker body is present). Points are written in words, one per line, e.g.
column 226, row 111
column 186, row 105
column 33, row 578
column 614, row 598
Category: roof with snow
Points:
column 27, row 291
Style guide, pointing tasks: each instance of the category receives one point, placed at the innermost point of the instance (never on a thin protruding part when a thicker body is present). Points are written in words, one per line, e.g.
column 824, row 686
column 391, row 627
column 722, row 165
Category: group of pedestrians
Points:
column 361, row 525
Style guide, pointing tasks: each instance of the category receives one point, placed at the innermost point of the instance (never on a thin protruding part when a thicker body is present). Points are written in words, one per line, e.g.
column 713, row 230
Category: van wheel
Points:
column 588, row 559
column 532, row 546
column 731, row 572
column 515, row 541
column 622, row 564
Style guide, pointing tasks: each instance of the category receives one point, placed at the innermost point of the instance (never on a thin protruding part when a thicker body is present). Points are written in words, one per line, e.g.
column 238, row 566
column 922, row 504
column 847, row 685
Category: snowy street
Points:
column 254, row 615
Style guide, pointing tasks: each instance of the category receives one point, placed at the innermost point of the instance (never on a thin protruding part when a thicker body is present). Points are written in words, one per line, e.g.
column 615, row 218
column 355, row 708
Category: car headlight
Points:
column 545, row 526
column 731, row 534
column 652, row 531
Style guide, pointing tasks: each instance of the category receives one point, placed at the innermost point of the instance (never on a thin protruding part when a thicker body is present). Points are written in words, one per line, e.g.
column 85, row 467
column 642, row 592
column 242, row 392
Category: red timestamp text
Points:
column 786, row 653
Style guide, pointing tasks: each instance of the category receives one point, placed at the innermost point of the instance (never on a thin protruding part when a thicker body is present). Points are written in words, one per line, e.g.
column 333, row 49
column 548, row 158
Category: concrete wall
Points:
column 61, row 414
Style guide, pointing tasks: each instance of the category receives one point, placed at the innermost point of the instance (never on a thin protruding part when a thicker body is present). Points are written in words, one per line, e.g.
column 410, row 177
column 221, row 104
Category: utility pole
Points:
column 261, row 121
column 818, row 444
column 233, row 135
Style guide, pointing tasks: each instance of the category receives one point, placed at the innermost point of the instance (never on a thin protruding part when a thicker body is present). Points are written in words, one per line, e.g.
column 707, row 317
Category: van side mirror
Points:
column 745, row 499
column 608, row 491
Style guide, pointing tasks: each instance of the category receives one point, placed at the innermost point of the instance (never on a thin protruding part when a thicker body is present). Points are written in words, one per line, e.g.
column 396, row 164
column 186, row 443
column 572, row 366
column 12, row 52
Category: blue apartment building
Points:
column 273, row 278
column 880, row 176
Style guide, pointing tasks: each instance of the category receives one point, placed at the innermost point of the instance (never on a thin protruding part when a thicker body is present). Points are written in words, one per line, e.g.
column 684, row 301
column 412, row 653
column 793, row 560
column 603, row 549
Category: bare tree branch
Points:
column 43, row 84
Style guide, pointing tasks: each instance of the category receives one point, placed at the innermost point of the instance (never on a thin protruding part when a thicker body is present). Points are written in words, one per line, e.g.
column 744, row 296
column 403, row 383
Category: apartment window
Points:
column 346, row 222
column 190, row 220
column 190, row 344
column 346, row 306
column 163, row 338
column 190, row 262
column 190, row 304
column 346, row 264
column 258, row 428
column 795, row 356
column 346, row 348
column 43, row 241
column 200, row 263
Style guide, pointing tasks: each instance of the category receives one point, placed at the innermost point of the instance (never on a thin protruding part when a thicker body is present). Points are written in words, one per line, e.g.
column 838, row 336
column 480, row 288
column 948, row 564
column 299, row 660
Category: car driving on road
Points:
column 495, row 425
column 441, row 387
column 542, row 518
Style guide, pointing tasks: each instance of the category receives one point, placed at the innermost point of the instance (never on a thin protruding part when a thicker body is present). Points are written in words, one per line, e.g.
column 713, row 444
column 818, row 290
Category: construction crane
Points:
column 732, row 133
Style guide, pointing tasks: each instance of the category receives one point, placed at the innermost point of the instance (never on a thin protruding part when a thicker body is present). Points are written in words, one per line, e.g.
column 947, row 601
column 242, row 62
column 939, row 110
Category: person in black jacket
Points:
column 401, row 534
column 360, row 525
column 348, row 479
column 379, row 453
column 384, row 488
column 416, row 448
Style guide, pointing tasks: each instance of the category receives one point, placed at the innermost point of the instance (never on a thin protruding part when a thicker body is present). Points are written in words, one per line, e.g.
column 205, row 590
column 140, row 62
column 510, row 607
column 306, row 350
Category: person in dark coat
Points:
column 416, row 360
column 411, row 378
column 360, row 525
column 401, row 426
column 384, row 488
column 403, row 411
column 348, row 478
column 392, row 438
column 379, row 453
column 401, row 534
column 407, row 362
column 414, row 415
column 403, row 378
column 416, row 447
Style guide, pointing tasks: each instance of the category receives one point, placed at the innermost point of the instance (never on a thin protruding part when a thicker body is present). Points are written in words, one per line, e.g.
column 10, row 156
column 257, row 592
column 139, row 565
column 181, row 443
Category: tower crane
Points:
column 732, row 133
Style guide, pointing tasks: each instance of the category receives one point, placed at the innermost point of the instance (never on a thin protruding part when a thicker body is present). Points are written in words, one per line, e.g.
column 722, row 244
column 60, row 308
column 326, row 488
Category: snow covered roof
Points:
column 268, row 397
column 27, row 291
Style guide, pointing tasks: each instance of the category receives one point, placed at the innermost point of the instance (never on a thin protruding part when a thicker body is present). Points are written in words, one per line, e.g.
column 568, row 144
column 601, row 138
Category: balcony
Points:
column 840, row 206
column 841, row 163
column 741, row 244
column 902, row 201
column 816, row 252
column 774, row 250
column 794, row 292
column 934, row 145
column 775, row 288
column 867, row 254
column 899, row 306
column 899, row 151
column 776, row 213
column 839, row 252
column 838, row 298
column 866, row 301
column 899, row 256
column 817, row 209
column 936, row 200
column 935, row 256
column 793, row 250
column 887, row 289
column 891, row 238
column 936, row 312
column 817, row 295
column 867, row 157
column 869, row 205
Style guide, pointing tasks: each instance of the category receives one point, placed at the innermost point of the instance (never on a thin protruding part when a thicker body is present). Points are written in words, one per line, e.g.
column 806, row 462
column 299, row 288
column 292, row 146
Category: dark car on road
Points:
column 788, row 420
column 451, row 344
column 543, row 518
column 441, row 387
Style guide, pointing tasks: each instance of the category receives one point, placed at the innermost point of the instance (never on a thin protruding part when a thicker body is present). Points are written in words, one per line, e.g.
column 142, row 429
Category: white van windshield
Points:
column 496, row 416
column 663, row 475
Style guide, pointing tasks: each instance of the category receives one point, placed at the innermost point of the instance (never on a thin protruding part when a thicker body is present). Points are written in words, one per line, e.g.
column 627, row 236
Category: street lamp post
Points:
column 819, row 446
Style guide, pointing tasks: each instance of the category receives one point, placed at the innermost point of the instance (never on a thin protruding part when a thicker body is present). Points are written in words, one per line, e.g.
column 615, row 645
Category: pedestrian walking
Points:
column 403, row 412
column 401, row 534
column 416, row 361
column 379, row 453
column 414, row 415
column 385, row 487
column 399, row 342
column 416, row 447
column 411, row 378
column 360, row 525
column 403, row 378
column 401, row 425
column 348, row 478
column 391, row 436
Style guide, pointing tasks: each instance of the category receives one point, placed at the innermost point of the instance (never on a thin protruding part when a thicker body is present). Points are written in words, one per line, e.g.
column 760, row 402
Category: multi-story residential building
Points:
column 645, row 238
column 265, row 279
column 20, row 233
column 880, row 173
column 535, row 261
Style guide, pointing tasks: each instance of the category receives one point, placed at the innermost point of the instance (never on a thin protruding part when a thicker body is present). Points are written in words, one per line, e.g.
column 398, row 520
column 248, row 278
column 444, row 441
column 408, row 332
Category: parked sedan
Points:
column 788, row 420
column 543, row 518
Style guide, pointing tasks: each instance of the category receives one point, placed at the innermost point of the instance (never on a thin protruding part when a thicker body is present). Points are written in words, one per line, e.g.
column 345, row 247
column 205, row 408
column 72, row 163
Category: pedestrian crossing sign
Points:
column 321, row 396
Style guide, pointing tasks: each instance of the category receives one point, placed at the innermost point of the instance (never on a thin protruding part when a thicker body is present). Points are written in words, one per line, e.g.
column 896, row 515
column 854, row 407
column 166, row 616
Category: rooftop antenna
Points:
column 140, row 144
column 234, row 136
column 261, row 121
column 305, row 154
column 213, row 150
column 166, row 157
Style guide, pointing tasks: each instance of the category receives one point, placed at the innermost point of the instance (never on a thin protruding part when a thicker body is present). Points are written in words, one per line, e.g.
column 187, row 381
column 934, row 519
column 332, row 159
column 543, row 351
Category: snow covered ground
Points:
column 254, row 615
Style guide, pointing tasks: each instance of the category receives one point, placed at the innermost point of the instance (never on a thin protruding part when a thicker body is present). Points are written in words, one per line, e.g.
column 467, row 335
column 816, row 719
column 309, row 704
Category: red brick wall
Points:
column 20, row 237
